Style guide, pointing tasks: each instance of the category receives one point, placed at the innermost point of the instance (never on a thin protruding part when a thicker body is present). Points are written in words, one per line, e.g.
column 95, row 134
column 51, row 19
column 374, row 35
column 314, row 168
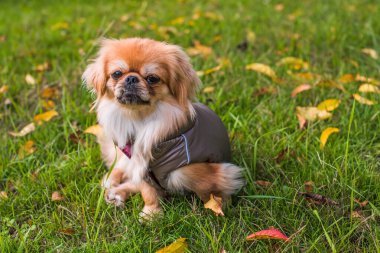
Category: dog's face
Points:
column 136, row 73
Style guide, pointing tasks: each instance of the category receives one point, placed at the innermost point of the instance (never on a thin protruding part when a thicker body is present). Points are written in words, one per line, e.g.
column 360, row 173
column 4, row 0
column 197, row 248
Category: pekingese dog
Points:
column 155, row 139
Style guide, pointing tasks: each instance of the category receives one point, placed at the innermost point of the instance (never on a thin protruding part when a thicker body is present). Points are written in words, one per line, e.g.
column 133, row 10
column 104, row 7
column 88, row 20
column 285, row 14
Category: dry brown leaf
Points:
column 3, row 195
column 215, row 204
column 26, row 149
column 272, row 233
column 42, row 67
column 318, row 199
column 325, row 135
column 179, row 246
column 329, row 105
column 29, row 79
column 346, row 78
column 67, row 231
column 94, row 129
column 369, row 88
column 49, row 92
column 312, row 113
column 56, row 196
column 24, row 131
column 208, row 89
column 362, row 204
column 363, row 100
column 3, row 89
column 48, row 104
column 370, row 52
column 293, row 62
column 301, row 88
column 261, row 68
column 46, row 116
column 199, row 49
column 271, row 90
column 263, row 183
column 309, row 186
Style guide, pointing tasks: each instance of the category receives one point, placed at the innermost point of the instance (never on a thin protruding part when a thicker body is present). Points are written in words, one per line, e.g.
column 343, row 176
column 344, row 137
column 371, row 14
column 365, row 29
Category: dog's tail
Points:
column 220, row 179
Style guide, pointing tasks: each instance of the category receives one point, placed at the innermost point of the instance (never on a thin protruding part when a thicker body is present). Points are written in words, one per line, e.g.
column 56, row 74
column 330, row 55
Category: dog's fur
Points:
column 152, row 113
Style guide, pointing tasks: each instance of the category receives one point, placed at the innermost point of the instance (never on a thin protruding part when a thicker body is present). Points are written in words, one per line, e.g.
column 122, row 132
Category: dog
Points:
column 155, row 139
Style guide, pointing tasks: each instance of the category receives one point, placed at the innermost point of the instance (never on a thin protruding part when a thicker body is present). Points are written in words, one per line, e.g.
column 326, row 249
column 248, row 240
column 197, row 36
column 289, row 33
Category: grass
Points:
column 327, row 34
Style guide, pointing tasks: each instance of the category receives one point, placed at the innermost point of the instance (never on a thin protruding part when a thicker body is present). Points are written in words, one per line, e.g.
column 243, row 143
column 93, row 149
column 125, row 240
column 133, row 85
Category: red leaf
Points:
column 268, row 234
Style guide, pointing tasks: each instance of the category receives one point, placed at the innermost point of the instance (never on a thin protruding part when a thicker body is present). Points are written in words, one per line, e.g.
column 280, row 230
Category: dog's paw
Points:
column 114, row 198
column 150, row 213
column 106, row 182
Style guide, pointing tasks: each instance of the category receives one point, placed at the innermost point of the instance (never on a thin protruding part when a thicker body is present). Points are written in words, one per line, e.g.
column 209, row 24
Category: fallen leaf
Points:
column 48, row 104
column 318, row 199
column 346, row 78
column 199, row 49
column 328, row 105
column 67, row 231
column 279, row 7
column 309, row 186
column 261, row 68
column 178, row 246
column 301, row 88
column 42, row 67
column 294, row 63
column 223, row 63
column 268, row 234
column 251, row 36
column 46, row 116
column 178, row 21
column 24, row 131
column 371, row 52
column 360, row 78
column 208, row 89
column 284, row 154
column 357, row 214
column 60, row 26
column 3, row 89
column 264, row 90
column 215, row 204
column 94, row 129
column 75, row 137
column 369, row 88
column 362, row 204
column 363, row 100
column 263, row 183
column 330, row 84
column 325, row 135
column 26, row 149
column 305, row 76
column 49, row 92
column 301, row 121
column 29, row 79
column 56, row 196
column 312, row 113
column 3, row 195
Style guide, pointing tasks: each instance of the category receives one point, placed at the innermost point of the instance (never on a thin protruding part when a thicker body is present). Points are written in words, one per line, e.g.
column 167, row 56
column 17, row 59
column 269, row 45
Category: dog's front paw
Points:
column 150, row 213
column 114, row 197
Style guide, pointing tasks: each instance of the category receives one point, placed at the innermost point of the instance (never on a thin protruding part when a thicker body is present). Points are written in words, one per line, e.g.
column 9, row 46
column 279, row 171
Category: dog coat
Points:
column 205, row 139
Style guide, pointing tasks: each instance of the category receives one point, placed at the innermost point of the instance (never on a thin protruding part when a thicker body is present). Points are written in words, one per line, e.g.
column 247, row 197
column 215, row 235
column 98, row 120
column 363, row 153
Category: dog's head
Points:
column 137, row 73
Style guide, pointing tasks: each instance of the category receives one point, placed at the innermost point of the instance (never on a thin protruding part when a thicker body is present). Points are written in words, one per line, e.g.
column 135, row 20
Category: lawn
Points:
column 44, row 48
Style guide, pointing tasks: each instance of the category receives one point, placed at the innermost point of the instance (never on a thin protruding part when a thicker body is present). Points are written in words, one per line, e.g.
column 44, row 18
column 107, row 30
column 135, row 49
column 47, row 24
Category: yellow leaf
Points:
column 60, row 26
column 199, row 49
column 362, row 100
column 46, row 116
column 329, row 105
column 56, row 196
column 369, row 88
column 208, row 89
column 48, row 104
column 3, row 195
column 330, row 84
column 365, row 79
column 312, row 113
column 42, row 67
column 26, row 149
column 306, row 76
column 215, row 204
column 178, row 21
column 30, row 79
column 49, row 92
column 24, row 131
column 251, row 37
column 261, row 68
column 95, row 130
column 325, row 135
column 179, row 246
column 3, row 89
column 370, row 52
column 346, row 78
column 301, row 88
column 293, row 62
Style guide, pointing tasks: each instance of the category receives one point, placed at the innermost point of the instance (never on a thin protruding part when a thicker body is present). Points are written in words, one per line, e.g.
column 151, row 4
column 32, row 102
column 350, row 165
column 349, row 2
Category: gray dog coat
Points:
column 204, row 139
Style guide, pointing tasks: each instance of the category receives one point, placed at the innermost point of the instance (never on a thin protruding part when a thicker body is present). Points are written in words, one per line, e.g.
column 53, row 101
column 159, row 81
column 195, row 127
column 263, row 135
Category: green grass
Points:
column 327, row 34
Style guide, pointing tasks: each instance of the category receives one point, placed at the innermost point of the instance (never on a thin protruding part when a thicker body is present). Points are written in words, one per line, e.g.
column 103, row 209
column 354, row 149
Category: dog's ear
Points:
column 184, row 80
column 94, row 76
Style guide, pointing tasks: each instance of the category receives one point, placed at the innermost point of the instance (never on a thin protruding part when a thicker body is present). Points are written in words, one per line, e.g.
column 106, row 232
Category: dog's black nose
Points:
column 131, row 80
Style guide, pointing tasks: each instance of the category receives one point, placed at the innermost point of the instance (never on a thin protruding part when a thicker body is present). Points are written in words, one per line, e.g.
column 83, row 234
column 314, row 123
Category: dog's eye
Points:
column 117, row 74
column 152, row 79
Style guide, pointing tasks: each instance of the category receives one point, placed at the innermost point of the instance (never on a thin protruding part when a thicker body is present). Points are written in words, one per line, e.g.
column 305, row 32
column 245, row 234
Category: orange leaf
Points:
column 48, row 104
column 301, row 88
column 56, row 196
column 26, row 149
column 3, row 89
column 67, row 231
column 325, row 135
column 301, row 121
column 346, row 78
column 199, row 49
column 94, row 129
column 179, row 246
column 263, row 183
column 49, row 92
column 215, row 204
column 46, row 116
column 24, row 131
column 268, row 234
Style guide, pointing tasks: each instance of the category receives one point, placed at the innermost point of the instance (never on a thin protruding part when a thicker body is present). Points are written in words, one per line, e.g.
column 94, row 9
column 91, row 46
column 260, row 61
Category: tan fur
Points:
column 166, row 108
